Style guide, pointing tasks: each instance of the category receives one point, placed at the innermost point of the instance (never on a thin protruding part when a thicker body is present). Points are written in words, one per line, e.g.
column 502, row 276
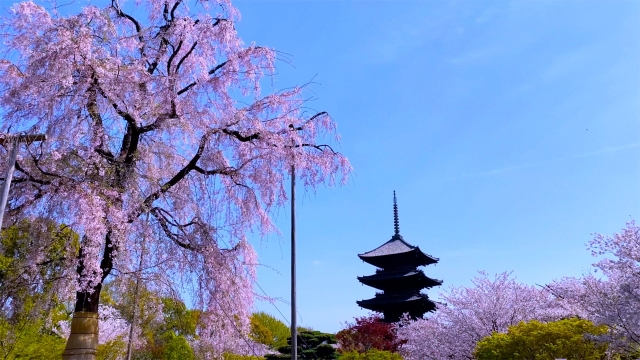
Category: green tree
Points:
column 373, row 354
column 30, row 301
column 267, row 330
column 164, row 337
column 20, row 279
column 534, row 340
column 178, row 319
column 120, row 294
column 26, row 336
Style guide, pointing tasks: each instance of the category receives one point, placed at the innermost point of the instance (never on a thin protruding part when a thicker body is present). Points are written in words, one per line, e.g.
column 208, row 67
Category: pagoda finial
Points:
column 396, row 222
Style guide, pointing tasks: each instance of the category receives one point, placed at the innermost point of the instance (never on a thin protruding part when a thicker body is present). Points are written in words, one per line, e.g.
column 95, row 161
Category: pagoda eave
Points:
column 412, row 303
column 408, row 282
column 413, row 258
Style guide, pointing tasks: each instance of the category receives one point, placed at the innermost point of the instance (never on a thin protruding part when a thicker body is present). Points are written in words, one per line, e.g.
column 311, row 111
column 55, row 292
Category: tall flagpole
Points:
column 294, row 335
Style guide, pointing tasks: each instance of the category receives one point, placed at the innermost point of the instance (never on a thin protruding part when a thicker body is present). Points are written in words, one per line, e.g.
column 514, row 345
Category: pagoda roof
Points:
column 394, row 278
column 396, row 245
column 382, row 302
column 397, row 248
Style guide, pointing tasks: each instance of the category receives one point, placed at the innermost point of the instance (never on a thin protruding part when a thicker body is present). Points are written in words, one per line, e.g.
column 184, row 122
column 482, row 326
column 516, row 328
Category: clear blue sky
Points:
column 509, row 129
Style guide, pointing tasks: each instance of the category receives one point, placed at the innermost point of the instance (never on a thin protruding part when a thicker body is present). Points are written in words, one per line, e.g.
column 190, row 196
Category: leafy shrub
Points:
column 368, row 332
column 312, row 344
column 566, row 338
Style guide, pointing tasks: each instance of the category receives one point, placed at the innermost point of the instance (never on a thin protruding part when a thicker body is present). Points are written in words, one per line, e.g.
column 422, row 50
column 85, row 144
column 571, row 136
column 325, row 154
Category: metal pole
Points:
column 294, row 335
column 11, row 166
column 135, row 300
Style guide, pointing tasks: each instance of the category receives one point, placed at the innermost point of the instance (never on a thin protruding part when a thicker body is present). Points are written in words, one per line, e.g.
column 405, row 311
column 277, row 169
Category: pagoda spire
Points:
column 396, row 222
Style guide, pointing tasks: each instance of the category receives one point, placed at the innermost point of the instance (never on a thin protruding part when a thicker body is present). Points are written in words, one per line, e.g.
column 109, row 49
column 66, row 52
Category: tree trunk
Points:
column 82, row 343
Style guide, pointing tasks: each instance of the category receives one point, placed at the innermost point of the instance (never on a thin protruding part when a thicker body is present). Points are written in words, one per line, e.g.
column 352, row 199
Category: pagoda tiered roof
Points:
column 403, row 278
column 408, row 302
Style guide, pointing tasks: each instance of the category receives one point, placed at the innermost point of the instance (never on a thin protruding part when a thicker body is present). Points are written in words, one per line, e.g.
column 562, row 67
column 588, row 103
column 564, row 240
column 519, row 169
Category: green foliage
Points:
column 634, row 355
column 20, row 280
column 534, row 340
column 112, row 350
column 121, row 294
column 178, row 319
column 175, row 347
column 30, row 307
column 372, row 354
column 312, row 344
column 166, row 339
column 26, row 336
column 267, row 330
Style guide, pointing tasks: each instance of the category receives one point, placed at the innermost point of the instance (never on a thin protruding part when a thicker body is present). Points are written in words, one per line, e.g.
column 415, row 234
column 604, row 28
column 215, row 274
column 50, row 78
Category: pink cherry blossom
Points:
column 610, row 295
column 158, row 138
column 472, row 313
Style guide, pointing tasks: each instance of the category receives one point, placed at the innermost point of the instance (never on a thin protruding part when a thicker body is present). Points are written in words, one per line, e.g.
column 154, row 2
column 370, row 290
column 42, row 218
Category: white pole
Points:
column 11, row 166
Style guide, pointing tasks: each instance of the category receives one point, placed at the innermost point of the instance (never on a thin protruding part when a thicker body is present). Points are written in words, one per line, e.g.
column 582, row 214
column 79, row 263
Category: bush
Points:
column 566, row 338
column 368, row 333
column 311, row 345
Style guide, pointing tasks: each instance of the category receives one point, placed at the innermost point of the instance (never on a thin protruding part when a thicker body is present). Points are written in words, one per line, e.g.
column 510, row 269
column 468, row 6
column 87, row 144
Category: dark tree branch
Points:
column 156, row 124
column 36, row 162
column 154, row 65
column 30, row 178
column 106, row 154
column 319, row 147
column 173, row 10
column 173, row 181
column 230, row 171
column 171, row 220
column 211, row 72
column 172, row 236
column 318, row 115
column 236, row 134
column 173, row 55
column 185, row 57
column 135, row 22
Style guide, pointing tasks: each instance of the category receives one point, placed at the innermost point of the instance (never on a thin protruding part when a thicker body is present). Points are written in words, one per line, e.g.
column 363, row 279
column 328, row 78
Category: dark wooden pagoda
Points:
column 398, row 277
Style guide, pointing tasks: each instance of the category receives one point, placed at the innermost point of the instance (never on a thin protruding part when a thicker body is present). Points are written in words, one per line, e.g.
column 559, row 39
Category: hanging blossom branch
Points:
column 142, row 118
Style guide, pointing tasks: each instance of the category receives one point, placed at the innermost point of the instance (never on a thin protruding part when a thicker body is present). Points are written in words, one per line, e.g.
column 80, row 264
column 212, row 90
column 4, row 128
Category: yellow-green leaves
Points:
column 534, row 340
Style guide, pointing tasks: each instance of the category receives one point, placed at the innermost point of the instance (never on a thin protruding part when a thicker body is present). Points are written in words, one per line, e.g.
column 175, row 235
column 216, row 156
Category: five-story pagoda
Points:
column 398, row 277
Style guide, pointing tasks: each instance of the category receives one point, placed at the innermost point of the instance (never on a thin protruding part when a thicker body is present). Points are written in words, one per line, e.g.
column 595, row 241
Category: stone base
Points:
column 83, row 340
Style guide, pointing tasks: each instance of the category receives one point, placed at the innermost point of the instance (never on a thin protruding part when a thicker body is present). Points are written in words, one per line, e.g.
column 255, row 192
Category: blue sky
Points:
column 510, row 131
